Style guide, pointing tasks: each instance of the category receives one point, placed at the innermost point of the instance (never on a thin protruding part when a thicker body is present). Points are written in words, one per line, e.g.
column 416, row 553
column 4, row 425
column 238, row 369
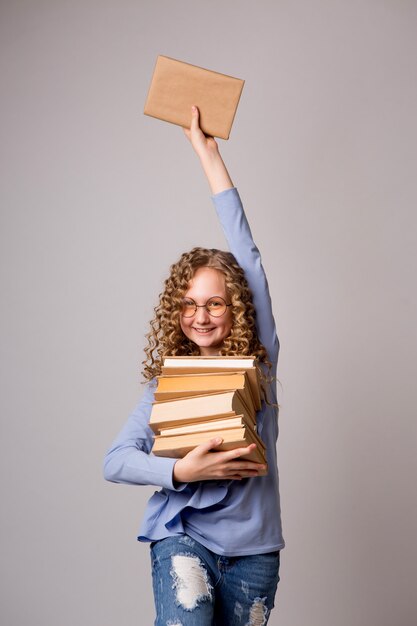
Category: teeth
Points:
column 203, row 330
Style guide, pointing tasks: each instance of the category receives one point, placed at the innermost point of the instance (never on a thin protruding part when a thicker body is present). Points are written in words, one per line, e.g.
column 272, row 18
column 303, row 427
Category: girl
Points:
column 215, row 526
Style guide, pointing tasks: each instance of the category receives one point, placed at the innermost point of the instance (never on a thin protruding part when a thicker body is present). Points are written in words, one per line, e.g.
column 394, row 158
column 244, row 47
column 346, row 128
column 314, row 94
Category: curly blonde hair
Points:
column 166, row 337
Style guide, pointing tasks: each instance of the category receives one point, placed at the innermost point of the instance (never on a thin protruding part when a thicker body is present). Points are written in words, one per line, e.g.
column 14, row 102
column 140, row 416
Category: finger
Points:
column 187, row 132
column 242, row 476
column 245, row 474
column 248, row 474
column 245, row 467
column 203, row 448
column 238, row 452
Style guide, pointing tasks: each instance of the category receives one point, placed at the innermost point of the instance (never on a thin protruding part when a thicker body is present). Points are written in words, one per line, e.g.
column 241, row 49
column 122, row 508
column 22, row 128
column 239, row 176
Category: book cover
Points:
column 176, row 85
column 198, row 409
column 192, row 364
column 172, row 386
column 214, row 424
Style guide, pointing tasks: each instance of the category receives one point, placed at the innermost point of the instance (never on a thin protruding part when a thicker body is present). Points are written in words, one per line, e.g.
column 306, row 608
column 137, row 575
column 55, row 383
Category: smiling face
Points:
column 206, row 331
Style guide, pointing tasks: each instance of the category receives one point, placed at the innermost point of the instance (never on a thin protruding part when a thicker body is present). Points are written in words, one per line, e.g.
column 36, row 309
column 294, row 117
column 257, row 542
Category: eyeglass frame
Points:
column 199, row 306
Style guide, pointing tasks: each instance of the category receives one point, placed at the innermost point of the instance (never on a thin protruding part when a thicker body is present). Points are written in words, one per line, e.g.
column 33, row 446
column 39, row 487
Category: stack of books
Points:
column 199, row 398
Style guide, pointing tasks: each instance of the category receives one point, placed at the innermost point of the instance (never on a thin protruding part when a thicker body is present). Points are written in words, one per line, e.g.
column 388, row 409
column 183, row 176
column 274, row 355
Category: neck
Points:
column 209, row 352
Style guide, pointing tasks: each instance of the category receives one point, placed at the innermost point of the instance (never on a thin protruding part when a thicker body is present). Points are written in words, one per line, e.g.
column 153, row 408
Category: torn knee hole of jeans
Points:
column 190, row 581
column 258, row 612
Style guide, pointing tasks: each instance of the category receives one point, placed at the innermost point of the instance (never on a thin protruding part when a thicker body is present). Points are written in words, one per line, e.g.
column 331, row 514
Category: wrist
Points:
column 210, row 156
column 178, row 475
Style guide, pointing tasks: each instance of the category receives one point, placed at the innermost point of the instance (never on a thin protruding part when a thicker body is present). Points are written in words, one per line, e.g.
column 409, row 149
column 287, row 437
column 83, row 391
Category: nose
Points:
column 202, row 316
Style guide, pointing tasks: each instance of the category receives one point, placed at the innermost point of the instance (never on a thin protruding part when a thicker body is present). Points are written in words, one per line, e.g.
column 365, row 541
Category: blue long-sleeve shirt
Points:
column 230, row 517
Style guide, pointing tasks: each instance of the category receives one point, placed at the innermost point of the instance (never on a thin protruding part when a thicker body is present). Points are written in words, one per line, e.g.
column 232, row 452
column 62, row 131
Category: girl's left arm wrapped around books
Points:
column 129, row 461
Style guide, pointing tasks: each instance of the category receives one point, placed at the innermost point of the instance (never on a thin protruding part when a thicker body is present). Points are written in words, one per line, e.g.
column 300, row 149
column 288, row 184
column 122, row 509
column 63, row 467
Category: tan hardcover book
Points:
column 176, row 85
column 234, row 362
column 189, row 365
column 216, row 427
column 215, row 424
column 178, row 446
column 198, row 409
column 175, row 386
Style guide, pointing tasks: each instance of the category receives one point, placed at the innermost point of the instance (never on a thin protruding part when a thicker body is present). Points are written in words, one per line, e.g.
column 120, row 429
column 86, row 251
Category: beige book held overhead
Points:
column 198, row 409
column 191, row 364
column 176, row 386
column 176, row 85
column 178, row 446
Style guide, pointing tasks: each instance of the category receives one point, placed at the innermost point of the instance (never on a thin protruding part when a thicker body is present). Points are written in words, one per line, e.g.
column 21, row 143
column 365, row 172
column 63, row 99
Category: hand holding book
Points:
column 205, row 146
column 203, row 463
column 207, row 150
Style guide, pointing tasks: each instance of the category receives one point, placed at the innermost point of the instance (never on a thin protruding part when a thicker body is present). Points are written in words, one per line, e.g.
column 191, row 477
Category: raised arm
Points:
column 209, row 155
column 130, row 460
column 237, row 231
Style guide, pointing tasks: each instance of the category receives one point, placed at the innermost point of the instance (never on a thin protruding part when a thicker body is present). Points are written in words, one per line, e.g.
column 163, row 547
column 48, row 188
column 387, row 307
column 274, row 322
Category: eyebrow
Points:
column 216, row 295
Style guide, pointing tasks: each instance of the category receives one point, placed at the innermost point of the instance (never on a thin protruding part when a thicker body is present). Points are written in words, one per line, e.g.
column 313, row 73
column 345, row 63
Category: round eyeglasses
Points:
column 215, row 306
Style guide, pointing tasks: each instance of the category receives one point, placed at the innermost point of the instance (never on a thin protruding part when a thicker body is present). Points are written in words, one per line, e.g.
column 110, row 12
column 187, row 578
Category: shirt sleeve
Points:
column 129, row 459
column 239, row 238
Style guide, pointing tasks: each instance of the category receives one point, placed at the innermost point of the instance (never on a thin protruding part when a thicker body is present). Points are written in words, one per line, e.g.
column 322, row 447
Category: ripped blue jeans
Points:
column 194, row 586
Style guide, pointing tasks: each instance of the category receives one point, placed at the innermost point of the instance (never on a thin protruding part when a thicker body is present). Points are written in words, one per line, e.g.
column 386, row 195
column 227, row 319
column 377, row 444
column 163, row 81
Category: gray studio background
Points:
column 97, row 200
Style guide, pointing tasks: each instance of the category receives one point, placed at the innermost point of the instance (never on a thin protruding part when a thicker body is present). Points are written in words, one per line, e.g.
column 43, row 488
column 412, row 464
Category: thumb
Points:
column 208, row 445
column 195, row 116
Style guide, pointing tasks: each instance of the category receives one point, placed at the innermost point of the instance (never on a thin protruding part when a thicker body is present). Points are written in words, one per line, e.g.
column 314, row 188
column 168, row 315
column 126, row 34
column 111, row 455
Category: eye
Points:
column 215, row 303
column 188, row 307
